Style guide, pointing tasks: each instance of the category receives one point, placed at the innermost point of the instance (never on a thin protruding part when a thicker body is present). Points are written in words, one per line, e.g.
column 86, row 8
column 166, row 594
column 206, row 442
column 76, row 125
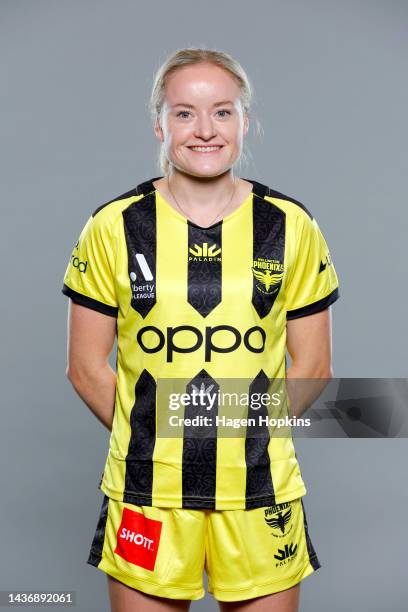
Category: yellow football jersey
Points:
column 198, row 304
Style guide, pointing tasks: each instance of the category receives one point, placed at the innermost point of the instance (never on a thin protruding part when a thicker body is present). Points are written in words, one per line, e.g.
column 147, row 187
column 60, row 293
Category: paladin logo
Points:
column 204, row 252
column 269, row 274
column 286, row 555
column 279, row 520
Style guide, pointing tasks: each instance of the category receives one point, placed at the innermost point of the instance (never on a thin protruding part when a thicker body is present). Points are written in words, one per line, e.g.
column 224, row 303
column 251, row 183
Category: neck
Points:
column 206, row 193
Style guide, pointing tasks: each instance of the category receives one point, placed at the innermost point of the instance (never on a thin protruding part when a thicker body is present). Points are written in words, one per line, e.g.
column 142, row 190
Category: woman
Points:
column 204, row 277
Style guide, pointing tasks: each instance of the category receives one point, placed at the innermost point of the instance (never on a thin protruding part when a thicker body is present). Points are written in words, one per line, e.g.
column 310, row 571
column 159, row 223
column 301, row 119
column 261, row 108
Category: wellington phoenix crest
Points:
column 268, row 274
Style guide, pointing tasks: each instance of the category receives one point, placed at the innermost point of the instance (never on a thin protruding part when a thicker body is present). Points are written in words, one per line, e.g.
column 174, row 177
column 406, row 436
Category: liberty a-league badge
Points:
column 141, row 281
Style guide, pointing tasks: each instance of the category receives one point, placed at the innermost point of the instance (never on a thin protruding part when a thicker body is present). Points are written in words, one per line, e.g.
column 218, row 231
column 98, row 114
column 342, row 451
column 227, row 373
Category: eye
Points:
column 224, row 110
column 182, row 113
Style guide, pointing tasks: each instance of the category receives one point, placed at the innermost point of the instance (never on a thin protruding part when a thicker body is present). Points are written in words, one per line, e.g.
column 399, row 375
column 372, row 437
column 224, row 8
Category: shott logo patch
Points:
column 137, row 539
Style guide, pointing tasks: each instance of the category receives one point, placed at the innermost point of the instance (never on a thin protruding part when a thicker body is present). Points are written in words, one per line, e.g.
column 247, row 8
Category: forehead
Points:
column 200, row 82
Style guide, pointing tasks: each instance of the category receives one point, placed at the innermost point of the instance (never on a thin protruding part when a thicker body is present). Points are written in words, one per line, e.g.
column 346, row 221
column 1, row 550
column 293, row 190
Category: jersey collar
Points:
column 258, row 188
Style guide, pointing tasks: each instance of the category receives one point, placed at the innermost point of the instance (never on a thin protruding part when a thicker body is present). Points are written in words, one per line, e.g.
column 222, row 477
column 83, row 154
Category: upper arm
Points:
column 90, row 274
column 312, row 284
column 89, row 282
column 311, row 289
column 91, row 336
column 309, row 341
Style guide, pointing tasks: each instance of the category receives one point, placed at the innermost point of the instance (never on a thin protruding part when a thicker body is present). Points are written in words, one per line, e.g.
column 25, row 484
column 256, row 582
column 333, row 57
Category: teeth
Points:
column 205, row 149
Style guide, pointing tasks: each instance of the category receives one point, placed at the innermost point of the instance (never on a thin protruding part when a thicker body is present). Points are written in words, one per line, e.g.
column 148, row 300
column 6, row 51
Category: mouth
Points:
column 206, row 150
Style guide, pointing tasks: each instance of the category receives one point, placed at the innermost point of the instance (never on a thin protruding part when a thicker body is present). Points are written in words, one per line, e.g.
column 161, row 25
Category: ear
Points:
column 158, row 130
column 246, row 123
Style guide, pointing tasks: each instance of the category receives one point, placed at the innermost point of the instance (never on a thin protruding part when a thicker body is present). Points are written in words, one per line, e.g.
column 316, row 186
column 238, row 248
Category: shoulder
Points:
column 292, row 207
column 106, row 215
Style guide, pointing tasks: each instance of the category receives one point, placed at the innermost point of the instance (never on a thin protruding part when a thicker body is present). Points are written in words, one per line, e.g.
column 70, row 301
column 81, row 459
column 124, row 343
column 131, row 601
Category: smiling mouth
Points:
column 211, row 149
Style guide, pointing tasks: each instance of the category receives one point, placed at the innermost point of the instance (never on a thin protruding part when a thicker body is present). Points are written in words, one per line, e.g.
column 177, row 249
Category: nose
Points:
column 204, row 127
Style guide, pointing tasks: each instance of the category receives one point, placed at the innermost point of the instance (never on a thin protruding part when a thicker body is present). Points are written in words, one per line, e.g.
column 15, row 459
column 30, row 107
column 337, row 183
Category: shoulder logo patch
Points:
column 76, row 262
column 324, row 263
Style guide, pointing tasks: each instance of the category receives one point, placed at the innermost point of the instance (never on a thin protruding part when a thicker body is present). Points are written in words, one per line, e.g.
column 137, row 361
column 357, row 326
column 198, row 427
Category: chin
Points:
column 206, row 172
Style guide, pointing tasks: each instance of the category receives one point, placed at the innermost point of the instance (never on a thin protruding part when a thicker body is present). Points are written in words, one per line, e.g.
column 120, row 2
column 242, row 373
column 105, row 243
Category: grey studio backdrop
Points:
column 331, row 95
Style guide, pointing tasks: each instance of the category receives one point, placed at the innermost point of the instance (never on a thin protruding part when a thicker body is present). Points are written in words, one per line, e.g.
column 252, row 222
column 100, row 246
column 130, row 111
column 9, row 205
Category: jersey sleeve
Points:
column 312, row 283
column 90, row 275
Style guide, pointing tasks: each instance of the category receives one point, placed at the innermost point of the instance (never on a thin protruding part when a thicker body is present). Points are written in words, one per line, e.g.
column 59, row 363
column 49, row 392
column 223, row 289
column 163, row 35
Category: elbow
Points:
column 73, row 376
column 319, row 369
column 323, row 371
column 327, row 372
column 70, row 375
column 83, row 374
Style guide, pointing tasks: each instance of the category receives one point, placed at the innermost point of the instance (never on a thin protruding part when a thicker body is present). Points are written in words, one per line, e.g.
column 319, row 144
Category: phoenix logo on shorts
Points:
column 286, row 555
column 268, row 273
column 137, row 539
column 204, row 252
column 278, row 518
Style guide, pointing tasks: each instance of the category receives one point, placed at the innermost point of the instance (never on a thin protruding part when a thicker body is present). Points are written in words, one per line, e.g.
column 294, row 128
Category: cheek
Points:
column 233, row 132
column 177, row 134
column 234, row 138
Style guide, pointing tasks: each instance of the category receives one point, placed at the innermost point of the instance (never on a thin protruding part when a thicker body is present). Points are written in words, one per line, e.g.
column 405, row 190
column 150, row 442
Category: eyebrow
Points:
column 191, row 106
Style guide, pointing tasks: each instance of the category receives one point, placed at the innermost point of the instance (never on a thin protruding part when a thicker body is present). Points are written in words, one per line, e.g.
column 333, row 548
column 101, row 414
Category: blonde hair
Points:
column 189, row 56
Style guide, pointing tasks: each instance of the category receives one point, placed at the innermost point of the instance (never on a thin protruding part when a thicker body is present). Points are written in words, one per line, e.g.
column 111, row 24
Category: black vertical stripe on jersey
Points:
column 204, row 276
column 268, row 243
column 200, row 449
column 141, row 238
column 139, row 458
column 95, row 554
column 258, row 476
column 313, row 558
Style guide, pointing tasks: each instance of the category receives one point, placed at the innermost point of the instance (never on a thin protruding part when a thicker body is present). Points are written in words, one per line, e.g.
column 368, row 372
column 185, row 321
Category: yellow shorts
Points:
column 163, row 551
